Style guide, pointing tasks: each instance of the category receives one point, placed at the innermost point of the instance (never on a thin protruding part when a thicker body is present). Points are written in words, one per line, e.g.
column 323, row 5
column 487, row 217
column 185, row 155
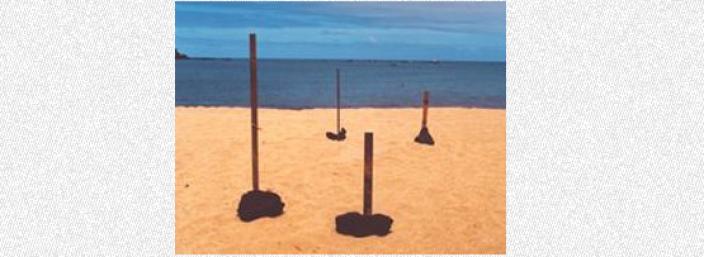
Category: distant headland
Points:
column 180, row 56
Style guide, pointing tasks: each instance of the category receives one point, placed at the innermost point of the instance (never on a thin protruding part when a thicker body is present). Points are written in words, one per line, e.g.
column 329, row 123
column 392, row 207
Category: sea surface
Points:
column 364, row 83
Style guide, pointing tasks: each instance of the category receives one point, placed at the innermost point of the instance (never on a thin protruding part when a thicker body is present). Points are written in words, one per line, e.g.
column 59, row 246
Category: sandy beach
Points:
column 446, row 198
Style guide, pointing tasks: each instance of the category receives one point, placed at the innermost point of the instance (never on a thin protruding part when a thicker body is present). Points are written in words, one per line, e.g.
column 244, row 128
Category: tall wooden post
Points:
column 338, row 100
column 426, row 96
column 253, row 104
column 368, row 152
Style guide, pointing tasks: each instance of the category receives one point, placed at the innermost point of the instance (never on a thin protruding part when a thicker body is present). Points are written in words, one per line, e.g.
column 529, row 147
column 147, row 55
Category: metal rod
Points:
column 368, row 152
column 253, row 104
column 338, row 100
column 426, row 96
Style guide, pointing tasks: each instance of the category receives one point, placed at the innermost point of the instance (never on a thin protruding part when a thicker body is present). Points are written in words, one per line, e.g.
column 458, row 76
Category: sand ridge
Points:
column 446, row 198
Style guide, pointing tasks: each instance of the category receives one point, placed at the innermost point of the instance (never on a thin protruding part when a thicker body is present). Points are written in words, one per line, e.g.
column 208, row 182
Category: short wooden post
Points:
column 338, row 100
column 368, row 152
column 253, row 104
column 426, row 96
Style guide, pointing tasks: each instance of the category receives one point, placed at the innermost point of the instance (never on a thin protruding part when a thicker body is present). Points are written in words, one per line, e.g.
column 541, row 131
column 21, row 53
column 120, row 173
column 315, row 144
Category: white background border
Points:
column 605, row 139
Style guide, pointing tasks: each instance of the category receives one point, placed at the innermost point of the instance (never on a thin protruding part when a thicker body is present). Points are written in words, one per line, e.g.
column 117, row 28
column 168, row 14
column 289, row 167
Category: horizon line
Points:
column 337, row 59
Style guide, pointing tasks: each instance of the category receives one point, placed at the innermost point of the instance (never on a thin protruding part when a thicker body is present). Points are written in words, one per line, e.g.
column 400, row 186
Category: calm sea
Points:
column 311, row 83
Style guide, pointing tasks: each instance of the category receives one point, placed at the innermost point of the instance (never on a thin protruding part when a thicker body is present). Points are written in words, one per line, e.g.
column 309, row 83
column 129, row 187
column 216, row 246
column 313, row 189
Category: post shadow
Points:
column 255, row 203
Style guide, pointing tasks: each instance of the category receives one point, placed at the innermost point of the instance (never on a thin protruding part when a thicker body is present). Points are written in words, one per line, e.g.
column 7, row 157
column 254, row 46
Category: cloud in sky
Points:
column 386, row 30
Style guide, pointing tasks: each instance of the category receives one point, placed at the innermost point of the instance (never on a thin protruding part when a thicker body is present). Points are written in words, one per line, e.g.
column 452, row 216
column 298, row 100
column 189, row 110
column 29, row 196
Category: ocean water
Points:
column 311, row 83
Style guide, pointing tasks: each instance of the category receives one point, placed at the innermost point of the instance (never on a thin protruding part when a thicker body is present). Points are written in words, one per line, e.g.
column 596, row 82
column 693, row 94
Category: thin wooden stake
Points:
column 426, row 96
column 338, row 100
column 253, row 104
column 368, row 152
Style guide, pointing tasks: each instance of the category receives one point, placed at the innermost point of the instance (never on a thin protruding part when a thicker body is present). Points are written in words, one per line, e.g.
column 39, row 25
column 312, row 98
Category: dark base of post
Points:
column 257, row 204
column 358, row 225
column 337, row 137
column 424, row 137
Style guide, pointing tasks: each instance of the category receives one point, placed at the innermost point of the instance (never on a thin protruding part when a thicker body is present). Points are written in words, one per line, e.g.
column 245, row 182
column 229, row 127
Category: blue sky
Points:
column 474, row 31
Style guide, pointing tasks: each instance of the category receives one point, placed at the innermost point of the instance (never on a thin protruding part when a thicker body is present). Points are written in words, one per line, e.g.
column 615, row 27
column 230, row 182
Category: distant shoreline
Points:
column 334, row 60
column 343, row 107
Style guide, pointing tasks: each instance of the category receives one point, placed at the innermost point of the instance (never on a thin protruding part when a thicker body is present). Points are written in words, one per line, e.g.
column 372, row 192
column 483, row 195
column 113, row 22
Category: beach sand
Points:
column 446, row 198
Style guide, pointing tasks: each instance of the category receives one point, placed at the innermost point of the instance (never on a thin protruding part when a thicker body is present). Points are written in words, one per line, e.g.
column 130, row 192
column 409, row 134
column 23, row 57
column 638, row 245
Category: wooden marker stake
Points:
column 256, row 204
column 366, row 224
column 338, row 100
column 253, row 104
column 425, row 107
column 340, row 133
column 368, row 152
column 424, row 136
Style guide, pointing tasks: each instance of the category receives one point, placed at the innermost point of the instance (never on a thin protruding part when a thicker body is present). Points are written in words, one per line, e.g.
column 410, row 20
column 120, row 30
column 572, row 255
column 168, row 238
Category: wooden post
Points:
column 426, row 96
column 338, row 100
column 253, row 104
column 368, row 152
